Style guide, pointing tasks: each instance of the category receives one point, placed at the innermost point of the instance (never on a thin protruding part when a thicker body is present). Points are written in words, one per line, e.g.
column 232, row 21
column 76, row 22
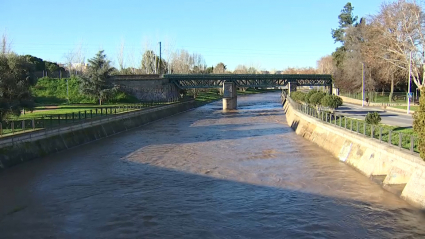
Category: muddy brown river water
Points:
column 201, row 174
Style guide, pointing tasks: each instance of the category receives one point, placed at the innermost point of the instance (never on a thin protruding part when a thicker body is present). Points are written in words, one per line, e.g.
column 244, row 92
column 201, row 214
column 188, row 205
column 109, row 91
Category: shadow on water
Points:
column 139, row 200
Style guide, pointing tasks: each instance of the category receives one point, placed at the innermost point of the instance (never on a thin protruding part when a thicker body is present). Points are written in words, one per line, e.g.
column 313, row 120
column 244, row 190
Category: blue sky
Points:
column 267, row 34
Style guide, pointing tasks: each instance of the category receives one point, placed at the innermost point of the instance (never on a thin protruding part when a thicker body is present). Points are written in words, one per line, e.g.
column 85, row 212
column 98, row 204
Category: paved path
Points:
column 388, row 117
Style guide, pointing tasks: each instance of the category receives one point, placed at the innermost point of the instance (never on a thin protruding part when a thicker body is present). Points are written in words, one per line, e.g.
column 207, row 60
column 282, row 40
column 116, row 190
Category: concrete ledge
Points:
column 369, row 156
column 72, row 136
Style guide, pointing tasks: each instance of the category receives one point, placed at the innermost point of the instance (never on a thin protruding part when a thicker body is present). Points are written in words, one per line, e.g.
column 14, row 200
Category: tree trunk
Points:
column 100, row 101
column 392, row 89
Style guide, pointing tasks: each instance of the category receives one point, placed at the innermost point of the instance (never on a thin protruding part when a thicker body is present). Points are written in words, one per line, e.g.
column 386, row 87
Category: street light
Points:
column 408, row 90
column 362, row 84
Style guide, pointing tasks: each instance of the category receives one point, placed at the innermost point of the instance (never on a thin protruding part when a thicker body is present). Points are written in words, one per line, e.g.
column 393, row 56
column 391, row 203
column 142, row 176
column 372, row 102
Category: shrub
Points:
column 373, row 118
column 308, row 96
column 316, row 98
column 419, row 124
column 298, row 96
column 331, row 101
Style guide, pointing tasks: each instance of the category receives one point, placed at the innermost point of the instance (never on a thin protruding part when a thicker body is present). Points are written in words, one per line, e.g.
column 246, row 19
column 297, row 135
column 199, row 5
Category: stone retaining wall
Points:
column 399, row 167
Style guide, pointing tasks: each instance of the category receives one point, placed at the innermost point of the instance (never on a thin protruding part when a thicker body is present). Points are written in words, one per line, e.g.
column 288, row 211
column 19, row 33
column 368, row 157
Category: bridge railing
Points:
column 385, row 135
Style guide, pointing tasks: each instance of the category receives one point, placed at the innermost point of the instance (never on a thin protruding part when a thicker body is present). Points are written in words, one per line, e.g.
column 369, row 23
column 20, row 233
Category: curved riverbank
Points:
column 398, row 170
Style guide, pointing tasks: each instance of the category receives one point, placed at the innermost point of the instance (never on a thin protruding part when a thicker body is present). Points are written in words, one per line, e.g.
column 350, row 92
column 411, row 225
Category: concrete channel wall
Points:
column 396, row 169
column 72, row 136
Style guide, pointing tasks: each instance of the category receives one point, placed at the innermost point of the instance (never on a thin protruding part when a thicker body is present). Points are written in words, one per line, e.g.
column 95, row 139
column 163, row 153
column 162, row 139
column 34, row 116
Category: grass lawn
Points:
column 414, row 108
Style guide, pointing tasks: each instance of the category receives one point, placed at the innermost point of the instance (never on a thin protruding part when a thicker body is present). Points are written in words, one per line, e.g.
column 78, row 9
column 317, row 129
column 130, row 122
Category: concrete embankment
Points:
column 72, row 136
column 398, row 170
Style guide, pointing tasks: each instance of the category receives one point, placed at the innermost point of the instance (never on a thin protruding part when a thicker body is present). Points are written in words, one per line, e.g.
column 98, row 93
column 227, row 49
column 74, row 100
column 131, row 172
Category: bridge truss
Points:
column 245, row 80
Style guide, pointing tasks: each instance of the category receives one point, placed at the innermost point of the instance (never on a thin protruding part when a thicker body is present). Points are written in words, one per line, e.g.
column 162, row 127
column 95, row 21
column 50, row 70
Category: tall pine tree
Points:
column 346, row 19
column 96, row 82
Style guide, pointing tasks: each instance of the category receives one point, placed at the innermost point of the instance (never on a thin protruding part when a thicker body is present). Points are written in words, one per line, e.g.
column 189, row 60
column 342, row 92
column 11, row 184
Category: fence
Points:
column 382, row 97
column 13, row 127
column 383, row 134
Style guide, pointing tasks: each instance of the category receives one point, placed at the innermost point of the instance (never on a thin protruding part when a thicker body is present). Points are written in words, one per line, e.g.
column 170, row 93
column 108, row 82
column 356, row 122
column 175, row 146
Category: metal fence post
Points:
column 364, row 128
column 23, row 125
column 345, row 122
column 371, row 131
column 357, row 126
column 400, row 137
column 91, row 114
column 33, row 123
column 380, row 134
column 389, row 137
column 13, row 127
column 351, row 124
column 412, row 143
column 59, row 119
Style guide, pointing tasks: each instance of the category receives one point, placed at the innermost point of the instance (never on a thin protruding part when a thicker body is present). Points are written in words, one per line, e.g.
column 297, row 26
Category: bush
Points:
column 373, row 118
column 308, row 96
column 419, row 124
column 298, row 96
column 316, row 98
column 331, row 101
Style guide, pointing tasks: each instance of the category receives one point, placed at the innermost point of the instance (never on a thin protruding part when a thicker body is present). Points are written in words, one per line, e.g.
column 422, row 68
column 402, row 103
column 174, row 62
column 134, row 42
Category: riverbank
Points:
column 44, row 144
column 397, row 169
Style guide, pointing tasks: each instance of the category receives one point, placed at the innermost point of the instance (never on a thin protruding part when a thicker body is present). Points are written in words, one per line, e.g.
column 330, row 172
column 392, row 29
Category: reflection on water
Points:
column 203, row 173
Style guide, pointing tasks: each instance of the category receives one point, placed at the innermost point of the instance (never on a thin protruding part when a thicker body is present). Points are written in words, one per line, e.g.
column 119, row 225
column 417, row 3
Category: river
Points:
column 201, row 174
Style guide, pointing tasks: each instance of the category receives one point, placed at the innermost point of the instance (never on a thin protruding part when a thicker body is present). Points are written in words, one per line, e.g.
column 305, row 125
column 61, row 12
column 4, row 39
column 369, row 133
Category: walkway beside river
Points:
column 201, row 174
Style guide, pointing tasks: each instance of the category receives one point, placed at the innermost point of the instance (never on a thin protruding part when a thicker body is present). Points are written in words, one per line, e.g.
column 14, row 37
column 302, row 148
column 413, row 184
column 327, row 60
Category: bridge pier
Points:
column 230, row 96
column 292, row 86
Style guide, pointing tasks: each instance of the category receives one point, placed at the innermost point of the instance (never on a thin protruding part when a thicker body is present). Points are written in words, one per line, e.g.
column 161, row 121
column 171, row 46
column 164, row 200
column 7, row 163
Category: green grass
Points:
column 363, row 128
column 414, row 108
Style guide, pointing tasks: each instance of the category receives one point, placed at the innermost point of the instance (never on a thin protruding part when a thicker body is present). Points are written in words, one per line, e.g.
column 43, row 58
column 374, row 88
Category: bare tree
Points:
column 325, row 65
column 120, row 56
column 6, row 44
column 399, row 31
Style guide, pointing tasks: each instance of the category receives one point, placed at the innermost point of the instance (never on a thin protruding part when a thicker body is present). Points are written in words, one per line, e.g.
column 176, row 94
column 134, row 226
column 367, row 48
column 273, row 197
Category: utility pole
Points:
column 362, row 84
column 160, row 58
column 408, row 90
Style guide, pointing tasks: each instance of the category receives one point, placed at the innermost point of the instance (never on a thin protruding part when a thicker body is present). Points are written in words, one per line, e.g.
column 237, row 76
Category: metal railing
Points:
column 28, row 130
column 375, row 132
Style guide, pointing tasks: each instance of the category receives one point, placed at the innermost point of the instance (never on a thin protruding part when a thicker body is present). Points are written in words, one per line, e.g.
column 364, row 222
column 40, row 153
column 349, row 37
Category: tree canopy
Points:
column 16, row 77
column 96, row 81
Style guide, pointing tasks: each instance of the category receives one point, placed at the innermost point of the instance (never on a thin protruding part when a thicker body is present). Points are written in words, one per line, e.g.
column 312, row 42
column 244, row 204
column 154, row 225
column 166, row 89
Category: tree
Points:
column 346, row 18
column 6, row 47
column 16, row 77
column 96, row 81
column 399, row 30
column 220, row 68
column 240, row 69
column 325, row 65
column 149, row 61
column 331, row 101
column 316, row 98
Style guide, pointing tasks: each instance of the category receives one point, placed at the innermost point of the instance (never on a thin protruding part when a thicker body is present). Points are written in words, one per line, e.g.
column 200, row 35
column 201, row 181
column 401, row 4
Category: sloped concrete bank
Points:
column 73, row 136
column 398, row 169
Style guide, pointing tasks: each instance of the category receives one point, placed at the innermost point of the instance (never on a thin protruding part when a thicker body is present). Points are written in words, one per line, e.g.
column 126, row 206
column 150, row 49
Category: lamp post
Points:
column 362, row 84
column 408, row 87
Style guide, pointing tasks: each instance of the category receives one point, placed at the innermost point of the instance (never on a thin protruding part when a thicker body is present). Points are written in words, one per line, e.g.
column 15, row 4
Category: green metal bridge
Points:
column 247, row 80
